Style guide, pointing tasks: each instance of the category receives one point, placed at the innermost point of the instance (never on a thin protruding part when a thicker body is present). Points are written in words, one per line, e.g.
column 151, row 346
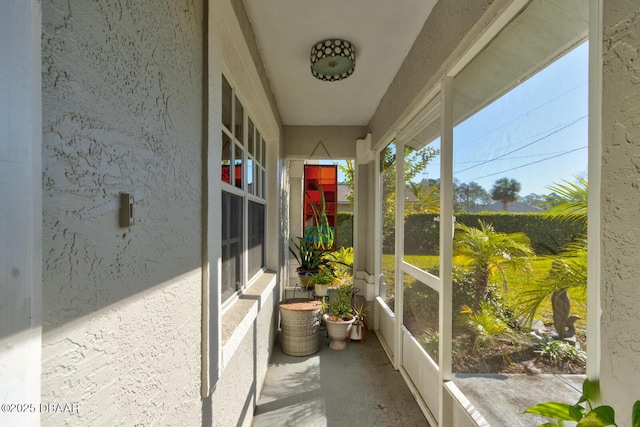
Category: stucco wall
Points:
column 339, row 141
column 236, row 393
column 122, row 112
column 620, row 201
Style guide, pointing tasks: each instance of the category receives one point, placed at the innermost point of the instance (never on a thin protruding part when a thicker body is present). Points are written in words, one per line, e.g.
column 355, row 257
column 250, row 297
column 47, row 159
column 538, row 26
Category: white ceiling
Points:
column 382, row 32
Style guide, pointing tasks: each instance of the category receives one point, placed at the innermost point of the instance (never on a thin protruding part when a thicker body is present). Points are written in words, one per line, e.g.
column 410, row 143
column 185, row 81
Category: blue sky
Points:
column 535, row 134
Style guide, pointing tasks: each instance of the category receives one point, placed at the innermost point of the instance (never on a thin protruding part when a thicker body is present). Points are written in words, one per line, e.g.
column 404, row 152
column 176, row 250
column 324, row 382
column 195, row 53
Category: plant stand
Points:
column 300, row 323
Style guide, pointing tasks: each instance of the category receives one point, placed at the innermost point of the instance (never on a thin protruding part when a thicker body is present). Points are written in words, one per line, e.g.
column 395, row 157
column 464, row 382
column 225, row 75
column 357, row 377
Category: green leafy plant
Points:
column 308, row 256
column 360, row 311
column 486, row 324
column 325, row 276
column 341, row 304
column 343, row 260
column 487, row 252
column 583, row 415
column 560, row 351
column 569, row 269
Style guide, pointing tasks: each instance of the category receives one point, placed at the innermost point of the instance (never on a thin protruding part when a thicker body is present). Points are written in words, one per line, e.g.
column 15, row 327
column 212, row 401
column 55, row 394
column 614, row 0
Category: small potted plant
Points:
column 358, row 327
column 341, row 318
column 321, row 281
column 310, row 259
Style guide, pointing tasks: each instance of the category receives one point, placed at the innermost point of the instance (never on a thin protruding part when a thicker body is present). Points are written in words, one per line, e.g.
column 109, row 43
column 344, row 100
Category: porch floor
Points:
column 354, row 387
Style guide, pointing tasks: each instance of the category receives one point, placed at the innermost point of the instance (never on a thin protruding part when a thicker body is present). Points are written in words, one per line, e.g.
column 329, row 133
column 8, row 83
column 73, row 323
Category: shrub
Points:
column 344, row 232
column 560, row 352
column 547, row 235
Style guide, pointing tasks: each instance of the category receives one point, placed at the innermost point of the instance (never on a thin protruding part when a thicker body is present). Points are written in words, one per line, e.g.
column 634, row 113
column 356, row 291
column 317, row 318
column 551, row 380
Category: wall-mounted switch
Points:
column 126, row 210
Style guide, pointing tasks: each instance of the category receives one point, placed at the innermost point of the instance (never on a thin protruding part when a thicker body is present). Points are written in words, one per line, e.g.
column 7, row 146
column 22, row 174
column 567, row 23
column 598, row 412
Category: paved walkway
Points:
column 354, row 387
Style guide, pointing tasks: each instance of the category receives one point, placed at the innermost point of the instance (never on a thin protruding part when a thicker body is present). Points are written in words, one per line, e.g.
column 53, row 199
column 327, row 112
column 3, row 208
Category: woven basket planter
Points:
column 300, row 323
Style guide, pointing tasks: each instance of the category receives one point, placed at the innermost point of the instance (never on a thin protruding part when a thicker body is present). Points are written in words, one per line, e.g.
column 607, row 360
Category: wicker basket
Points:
column 300, row 322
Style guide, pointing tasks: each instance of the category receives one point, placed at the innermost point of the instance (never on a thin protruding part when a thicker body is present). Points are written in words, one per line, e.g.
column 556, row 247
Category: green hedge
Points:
column 344, row 234
column 547, row 235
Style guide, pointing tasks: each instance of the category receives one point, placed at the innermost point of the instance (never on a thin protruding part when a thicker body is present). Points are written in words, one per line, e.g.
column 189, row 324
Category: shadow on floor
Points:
column 354, row 387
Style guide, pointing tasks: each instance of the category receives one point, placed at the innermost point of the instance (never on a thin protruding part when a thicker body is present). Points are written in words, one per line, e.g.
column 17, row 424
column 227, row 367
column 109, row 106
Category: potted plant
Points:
column 341, row 318
column 310, row 259
column 321, row 281
column 358, row 327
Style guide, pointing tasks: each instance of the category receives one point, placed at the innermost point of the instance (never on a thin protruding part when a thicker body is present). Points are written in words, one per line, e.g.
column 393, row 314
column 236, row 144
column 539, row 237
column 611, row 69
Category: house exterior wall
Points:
column 122, row 112
column 620, row 199
column 340, row 141
column 236, row 393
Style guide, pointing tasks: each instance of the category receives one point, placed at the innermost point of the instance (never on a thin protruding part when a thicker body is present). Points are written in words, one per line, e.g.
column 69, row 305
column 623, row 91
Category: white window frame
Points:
column 244, row 191
column 413, row 119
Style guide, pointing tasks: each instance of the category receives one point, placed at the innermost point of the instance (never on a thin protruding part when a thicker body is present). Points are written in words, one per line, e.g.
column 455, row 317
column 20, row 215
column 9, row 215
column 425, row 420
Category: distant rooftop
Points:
column 515, row 207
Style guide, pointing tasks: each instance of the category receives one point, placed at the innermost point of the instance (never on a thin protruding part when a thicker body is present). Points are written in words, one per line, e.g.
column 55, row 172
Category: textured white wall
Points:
column 122, row 112
column 339, row 141
column 620, row 206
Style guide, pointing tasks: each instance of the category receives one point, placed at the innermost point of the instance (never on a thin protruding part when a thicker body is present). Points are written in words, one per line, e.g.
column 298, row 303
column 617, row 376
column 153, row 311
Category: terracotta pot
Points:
column 338, row 332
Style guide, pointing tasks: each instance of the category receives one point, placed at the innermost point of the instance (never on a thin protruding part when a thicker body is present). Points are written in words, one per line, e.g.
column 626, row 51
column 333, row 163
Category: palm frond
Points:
column 570, row 200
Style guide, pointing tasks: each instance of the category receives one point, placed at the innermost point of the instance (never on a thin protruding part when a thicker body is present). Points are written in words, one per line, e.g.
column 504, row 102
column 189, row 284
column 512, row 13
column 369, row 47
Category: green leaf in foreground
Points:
column 635, row 414
column 557, row 410
column 599, row 417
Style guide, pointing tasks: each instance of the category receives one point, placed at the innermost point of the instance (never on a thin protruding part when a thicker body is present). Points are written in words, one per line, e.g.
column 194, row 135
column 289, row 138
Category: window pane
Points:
column 227, row 102
column 520, row 108
column 259, row 148
column 226, row 158
column 256, row 237
column 231, row 244
column 258, row 183
column 388, row 171
column 239, row 121
column 250, row 139
column 420, row 311
column 237, row 170
column 422, row 200
column 250, row 176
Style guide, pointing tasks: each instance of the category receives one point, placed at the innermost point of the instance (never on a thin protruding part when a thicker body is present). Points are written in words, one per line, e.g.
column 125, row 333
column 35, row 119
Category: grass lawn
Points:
column 516, row 283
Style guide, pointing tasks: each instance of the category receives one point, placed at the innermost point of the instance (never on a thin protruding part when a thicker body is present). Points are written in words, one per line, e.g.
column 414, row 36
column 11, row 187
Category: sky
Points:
column 535, row 134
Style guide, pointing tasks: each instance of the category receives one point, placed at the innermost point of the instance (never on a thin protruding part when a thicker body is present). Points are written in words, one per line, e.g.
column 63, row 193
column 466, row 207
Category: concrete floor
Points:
column 354, row 387
column 500, row 398
column 359, row 387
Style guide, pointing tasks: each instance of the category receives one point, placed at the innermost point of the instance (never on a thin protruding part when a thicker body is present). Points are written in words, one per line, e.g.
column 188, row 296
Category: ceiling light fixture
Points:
column 332, row 60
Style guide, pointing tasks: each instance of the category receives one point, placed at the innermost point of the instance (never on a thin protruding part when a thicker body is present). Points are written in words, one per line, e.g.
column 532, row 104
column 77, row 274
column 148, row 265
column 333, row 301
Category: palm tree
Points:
column 568, row 201
column 505, row 190
column 487, row 252
column 427, row 198
column 569, row 269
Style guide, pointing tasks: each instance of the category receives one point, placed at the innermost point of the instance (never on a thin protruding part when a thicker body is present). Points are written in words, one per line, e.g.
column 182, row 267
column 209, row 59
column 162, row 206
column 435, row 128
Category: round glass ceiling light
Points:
column 333, row 60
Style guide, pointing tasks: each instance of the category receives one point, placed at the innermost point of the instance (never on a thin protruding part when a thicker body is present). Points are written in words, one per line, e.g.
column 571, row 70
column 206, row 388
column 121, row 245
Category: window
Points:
column 231, row 244
column 243, row 195
column 256, row 237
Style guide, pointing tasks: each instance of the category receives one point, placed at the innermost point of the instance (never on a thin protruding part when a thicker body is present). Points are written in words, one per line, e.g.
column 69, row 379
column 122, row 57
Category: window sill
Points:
column 238, row 319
